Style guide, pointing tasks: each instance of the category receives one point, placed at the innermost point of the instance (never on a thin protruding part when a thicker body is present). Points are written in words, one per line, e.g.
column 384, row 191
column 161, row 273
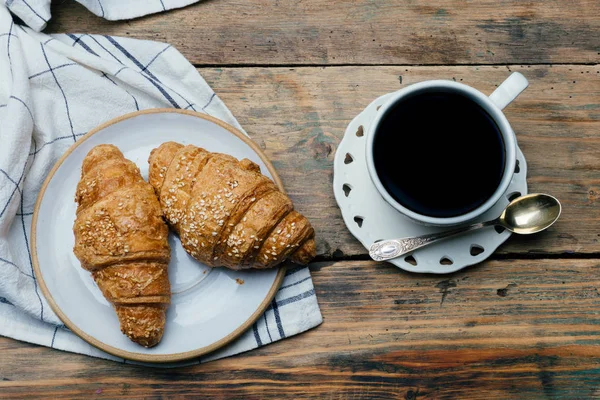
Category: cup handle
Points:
column 509, row 90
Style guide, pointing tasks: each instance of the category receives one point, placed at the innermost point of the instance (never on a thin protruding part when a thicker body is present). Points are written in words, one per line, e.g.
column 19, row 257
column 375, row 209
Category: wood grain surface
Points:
column 510, row 328
column 305, row 32
column 524, row 324
column 299, row 115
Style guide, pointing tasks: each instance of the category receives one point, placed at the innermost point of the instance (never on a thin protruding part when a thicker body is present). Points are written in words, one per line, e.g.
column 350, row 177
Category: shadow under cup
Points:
column 438, row 153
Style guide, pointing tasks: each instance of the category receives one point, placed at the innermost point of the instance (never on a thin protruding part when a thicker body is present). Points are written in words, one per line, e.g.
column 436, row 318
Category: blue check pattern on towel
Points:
column 53, row 90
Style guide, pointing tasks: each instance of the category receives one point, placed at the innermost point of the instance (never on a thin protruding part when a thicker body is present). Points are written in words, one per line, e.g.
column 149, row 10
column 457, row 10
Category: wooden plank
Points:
column 316, row 32
column 526, row 328
column 299, row 115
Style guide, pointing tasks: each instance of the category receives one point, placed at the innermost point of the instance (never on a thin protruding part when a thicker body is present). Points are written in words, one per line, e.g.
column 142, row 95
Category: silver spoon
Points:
column 524, row 215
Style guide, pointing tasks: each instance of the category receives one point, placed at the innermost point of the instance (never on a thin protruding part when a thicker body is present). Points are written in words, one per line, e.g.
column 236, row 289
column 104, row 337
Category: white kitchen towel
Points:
column 54, row 89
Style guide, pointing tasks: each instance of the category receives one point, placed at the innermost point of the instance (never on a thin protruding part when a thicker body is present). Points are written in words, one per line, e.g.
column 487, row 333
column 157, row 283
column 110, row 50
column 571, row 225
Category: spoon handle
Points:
column 388, row 249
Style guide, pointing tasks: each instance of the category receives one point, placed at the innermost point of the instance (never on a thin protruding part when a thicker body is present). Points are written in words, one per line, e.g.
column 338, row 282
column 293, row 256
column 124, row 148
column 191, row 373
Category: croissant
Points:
column 225, row 211
column 121, row 238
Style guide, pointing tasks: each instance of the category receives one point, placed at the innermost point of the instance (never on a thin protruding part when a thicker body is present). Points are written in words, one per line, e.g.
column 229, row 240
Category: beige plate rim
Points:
column 155, row 358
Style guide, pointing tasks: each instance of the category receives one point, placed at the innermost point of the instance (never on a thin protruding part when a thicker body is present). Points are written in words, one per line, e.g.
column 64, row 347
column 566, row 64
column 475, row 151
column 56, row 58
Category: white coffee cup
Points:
column 493, row 105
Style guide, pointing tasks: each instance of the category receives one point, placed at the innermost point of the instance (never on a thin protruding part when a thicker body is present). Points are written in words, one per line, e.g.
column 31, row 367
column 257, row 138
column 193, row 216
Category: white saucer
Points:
column 370, row 218
column 209, row 307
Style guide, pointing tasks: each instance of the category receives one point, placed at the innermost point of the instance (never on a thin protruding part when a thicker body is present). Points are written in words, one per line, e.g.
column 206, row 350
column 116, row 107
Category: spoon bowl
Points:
column 530, row 214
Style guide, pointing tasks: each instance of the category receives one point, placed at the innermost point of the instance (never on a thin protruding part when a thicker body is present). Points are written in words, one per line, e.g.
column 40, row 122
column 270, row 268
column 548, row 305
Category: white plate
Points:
column 209, row 308
column 370, row 218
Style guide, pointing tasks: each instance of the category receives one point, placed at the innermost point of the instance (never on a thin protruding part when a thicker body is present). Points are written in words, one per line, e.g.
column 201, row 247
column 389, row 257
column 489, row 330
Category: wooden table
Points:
column 526, row 323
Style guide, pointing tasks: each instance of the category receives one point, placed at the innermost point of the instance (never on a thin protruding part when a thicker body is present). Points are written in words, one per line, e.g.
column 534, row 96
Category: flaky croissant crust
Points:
column 121, row 238
column 225, row 211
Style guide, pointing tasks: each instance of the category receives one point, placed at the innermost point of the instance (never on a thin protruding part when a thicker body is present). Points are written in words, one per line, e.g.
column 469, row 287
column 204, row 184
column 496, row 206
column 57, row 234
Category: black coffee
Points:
column 439, row 154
